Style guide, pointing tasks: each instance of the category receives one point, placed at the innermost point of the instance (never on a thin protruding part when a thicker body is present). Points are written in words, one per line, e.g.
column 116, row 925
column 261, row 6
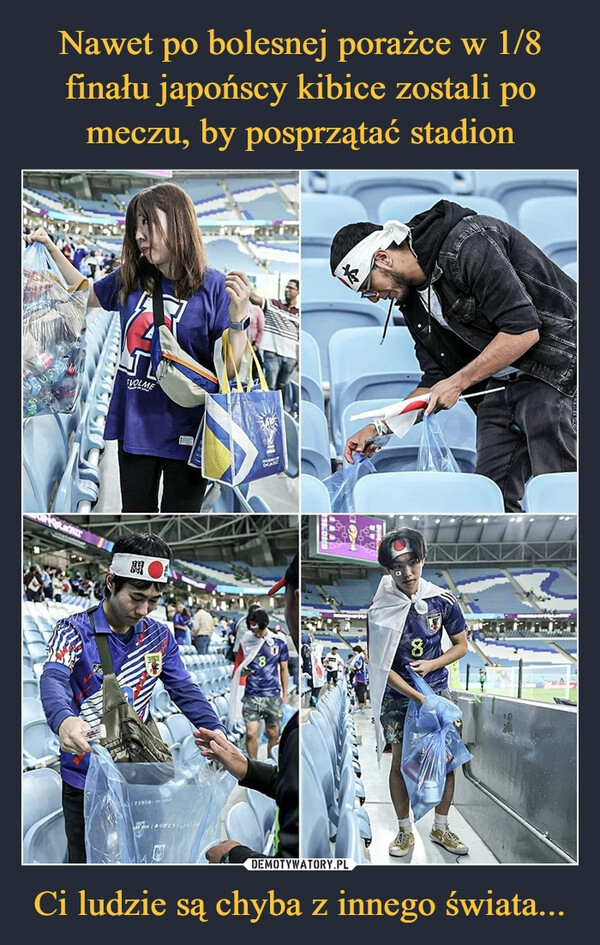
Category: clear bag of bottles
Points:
column 53, row 335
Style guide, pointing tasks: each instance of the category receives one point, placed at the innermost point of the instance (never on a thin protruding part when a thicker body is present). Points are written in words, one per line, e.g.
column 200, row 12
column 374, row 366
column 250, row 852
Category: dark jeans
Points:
column 72, row 802
column 527, row 429
column 278, row 369
column 183, row 485
column 201, row 642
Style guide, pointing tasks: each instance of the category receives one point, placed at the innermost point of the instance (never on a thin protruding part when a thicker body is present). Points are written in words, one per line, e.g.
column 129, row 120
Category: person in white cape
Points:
column 405, row 623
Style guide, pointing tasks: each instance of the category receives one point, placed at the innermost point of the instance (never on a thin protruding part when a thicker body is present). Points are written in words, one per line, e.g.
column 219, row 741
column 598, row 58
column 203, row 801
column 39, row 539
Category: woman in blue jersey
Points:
column 405, row 623
column 143, row 651
column 163, row 243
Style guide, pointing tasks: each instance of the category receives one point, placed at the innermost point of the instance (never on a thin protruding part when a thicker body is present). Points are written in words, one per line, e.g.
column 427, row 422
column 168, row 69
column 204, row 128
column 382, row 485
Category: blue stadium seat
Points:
column 241, row 823
column 316, row 448
column 405, row 206
column 395, row 492
column 321, row 216
column 45, row 457
column 571, row 270
column 551, row 492
column 551, row 223
column 511, row 188
column 311, row 377
column 292, row 437
column 370, row 187
column 314, row 495
column 314, row 816
column 322, row 318
column 364, row 368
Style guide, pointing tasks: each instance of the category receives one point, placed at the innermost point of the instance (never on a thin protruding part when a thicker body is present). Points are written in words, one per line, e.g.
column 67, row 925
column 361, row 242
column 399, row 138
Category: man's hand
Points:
column 72, row 735
column 356, row 443
column 443, row 395
column 216, row 747
column 215, row 854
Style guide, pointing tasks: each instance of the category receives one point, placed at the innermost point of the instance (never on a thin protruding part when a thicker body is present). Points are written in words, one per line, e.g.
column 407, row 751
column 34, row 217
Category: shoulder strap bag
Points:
column 128, row 739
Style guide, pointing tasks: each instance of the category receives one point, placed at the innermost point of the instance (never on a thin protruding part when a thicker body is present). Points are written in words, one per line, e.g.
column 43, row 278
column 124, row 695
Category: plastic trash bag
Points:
column 130, row 820
column 434, row 453
column 341, row 484
column 431, row 747
column 53, row 330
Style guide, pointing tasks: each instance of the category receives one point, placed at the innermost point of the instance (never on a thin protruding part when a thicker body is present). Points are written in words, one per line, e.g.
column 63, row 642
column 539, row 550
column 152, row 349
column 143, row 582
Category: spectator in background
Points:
column 182, row 624
column 333, row 664
column 242, row 626
column 33, row 584
column 281, row 335
column 202, row 629
column 279, row 781
column 263, row 664
column 81, row 252
column 358, row 670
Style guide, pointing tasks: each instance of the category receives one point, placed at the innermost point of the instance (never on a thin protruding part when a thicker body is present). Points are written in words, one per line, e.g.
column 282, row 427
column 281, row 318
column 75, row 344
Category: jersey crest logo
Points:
column 153, row 663
column 434, row 623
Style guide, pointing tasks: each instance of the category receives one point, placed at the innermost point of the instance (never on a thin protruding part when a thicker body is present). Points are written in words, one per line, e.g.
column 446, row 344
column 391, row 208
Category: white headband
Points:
column 401, row 546
column 140, row 567
column 357, row 264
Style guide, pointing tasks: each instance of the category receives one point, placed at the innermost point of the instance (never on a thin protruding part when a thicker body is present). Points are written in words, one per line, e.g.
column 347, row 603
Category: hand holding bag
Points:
column 242, row 436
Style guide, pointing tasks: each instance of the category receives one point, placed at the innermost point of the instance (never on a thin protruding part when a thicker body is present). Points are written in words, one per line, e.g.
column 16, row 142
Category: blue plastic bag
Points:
column 434, row 453
column 131, row 820
column 341, row 484
column 431, row 747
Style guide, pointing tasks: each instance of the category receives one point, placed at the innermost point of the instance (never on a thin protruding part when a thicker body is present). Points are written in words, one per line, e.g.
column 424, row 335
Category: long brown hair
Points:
column 182, row 237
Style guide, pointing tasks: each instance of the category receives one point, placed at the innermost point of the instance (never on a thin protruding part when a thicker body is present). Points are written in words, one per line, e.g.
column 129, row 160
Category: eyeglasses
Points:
column 369, row 293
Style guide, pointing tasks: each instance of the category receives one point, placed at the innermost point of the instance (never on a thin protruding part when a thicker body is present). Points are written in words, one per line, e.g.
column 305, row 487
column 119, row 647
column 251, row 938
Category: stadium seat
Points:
column 40, row 744
column 394, row 492
column 46, row 841
column 292, row 438
column 571, row 270
column 241, row 823
column 314, row 817
column 551, row 223
column 313, row 742
column 311, row 376
column 551, row 492
column 370, row 187
column 458, row 425
column 321, row 216
column 265, row 809
column 314, row 495
column 31, row 708
column 316, row 448
column 322, row 318
column 405, row 206
column 348, row 842
column 364, row 368
column 75, row 493
column 41, row 795
column 511, row 188
column 45, row 457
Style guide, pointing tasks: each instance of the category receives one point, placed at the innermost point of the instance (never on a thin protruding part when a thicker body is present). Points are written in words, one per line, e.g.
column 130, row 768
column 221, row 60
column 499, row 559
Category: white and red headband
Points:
column 141, row 567
column 401, row 546
column 357, row 264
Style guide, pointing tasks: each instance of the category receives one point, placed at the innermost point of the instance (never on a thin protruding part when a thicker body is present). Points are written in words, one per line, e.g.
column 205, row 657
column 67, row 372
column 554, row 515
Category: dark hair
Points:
column 384, row 552
column 347, row 237
column 182, row 236
column 357, row 648
column 260, row 618
column 296, row 283
column 252, row 608
column 139, row 543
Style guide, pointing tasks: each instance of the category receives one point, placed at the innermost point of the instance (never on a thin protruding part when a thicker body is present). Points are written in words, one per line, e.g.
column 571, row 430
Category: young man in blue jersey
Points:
column 278, row 781
column 264, row 666
column 142, row 650
column 406, row 620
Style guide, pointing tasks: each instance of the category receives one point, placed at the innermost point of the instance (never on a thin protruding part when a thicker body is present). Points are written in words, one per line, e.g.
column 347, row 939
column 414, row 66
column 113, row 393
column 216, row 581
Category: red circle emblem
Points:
column 399, row 545
column 156, row 569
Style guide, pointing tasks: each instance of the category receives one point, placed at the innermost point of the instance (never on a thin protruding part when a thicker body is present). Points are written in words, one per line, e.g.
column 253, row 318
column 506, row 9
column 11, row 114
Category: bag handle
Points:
column 228, row 354
column 102, row 644
column 158, row 309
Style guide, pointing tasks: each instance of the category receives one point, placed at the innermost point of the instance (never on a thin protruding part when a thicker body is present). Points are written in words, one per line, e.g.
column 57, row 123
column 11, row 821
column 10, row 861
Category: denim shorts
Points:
column 269, row 708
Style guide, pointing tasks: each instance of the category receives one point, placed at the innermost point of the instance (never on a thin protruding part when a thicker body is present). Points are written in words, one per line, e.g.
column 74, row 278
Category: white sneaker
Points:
column 449, row 841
